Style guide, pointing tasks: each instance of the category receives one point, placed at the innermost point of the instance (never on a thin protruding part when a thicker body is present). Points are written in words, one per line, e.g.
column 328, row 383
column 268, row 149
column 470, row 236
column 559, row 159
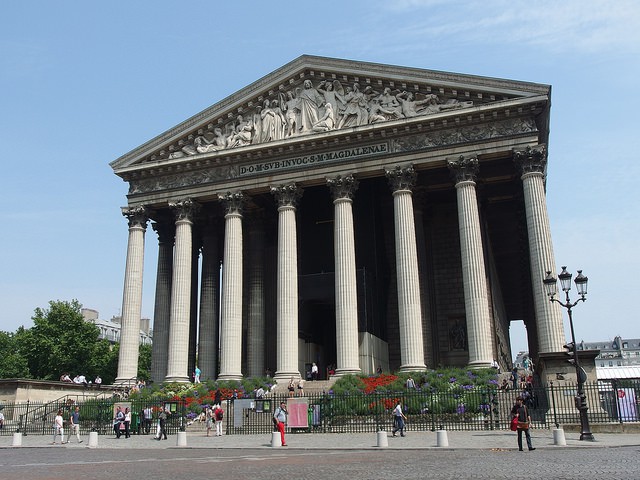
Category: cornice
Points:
column 479, row 90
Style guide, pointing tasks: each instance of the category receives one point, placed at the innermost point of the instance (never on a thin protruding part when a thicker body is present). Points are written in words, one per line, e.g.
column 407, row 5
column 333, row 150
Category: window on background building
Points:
column 602, row 364
column 619, row 363
column 625, row 345
column 610, row 363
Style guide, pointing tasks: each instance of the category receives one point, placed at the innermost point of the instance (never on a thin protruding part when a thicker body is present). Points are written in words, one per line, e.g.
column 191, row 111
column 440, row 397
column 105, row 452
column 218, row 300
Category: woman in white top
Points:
column 58, row 428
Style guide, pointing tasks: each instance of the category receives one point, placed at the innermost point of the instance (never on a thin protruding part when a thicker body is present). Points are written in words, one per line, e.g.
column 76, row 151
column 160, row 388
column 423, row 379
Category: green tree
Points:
column 144, row 362
column 61, row 341
column 13, row 363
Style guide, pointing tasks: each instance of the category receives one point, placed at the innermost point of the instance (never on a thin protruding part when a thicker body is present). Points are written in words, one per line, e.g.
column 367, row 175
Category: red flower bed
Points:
column 371, row 383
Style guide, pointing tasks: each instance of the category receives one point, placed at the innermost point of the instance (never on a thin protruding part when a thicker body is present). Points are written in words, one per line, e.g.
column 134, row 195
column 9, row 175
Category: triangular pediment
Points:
column 316, row 95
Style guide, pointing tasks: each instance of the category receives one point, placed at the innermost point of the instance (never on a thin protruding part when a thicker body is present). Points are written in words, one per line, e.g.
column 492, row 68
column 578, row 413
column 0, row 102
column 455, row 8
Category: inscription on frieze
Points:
column 314, row 159
column 408, row 143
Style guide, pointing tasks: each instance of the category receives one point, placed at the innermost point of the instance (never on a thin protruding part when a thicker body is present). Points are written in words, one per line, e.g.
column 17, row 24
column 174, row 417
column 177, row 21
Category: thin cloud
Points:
column 568, row 26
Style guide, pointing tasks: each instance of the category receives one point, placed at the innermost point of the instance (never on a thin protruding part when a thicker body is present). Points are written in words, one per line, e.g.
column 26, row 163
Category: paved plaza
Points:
column 481, row 455
column 476, row 440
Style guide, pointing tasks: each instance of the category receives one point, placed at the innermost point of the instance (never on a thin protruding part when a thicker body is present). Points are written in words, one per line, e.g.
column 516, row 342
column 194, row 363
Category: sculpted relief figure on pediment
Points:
column 310, row 109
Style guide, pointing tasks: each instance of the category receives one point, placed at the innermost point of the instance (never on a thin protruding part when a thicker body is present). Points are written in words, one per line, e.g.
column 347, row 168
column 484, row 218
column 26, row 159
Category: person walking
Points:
column 58, row 428
column 218, row 414
column 521, row 412
column 74, row 424
column 209, row 419
column 147, row 416
column 127, row 423
column 162, row 425
column 280, row 415
column 398, row 420
column 118, row 422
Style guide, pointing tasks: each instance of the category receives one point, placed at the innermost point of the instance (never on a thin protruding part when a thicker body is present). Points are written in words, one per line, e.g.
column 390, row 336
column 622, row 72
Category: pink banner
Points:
column 297, row 417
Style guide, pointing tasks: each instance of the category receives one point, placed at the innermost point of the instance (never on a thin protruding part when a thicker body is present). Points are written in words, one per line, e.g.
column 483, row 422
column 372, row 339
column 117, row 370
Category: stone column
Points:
column 287, row 301
column 178, row 356
column 132, row 296
column 419, row 201
column 231, row 314
column 162, row 309
column 193, row 320
column 256, row 302
column 476, row 302
column 402, row 179
column 347, row 347
column 209, row 295
column 532, row 163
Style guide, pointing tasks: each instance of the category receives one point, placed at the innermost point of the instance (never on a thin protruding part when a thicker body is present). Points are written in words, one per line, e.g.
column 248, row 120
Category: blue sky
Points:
column 82, row 83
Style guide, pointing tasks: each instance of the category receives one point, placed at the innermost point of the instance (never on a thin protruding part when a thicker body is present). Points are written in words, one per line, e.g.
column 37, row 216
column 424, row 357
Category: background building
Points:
column 110, row 329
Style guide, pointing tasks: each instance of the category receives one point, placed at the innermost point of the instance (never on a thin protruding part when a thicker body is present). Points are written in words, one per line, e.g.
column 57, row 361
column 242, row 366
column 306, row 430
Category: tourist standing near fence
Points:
column 521, row 413
column 280, row 416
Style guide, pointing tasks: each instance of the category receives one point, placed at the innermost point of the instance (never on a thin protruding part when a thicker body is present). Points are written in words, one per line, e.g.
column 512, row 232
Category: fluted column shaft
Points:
column 132, row 296
column 409, row 309
column 287, row 301
column 346, row 292
column 474, row 277
column 178, row 355
column 162, row 308
column 532, row 163
column 231, row 314
column 256, row 303
column 209, row 294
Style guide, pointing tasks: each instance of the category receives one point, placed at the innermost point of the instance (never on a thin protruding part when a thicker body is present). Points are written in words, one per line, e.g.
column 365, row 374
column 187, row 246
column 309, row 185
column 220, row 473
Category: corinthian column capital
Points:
column 136, row 216
column 464, row 169
column 531, row 160
column 401, row 178
column 185, row 209
column 233, row 202
column 342, row 187
column 287, row 195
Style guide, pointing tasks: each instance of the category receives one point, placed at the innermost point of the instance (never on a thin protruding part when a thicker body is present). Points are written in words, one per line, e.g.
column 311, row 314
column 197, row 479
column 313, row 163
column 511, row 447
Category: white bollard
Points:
column 383, row 441
column 17, row 439
column 276, row 441
column 558, row 437
column 441, row 438
column 181, row 439
column 93, row 440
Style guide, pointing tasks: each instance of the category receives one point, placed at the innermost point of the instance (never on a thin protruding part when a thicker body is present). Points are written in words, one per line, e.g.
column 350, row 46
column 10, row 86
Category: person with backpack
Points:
column 280, row 416
column 218, row 414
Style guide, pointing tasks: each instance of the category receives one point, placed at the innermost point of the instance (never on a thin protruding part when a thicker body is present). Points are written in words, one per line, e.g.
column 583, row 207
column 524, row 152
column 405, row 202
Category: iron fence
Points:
column 484, row 409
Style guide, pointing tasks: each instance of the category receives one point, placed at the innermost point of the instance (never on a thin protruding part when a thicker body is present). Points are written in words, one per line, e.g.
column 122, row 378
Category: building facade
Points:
column 110, row 329
column 350, row 214
column 618, row 358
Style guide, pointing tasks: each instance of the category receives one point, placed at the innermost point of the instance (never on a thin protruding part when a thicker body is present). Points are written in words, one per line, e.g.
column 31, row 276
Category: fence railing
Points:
column 476, row 409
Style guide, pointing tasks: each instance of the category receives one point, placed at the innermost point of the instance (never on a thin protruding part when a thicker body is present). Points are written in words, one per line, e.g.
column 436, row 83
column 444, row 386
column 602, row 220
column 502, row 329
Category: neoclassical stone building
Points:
column 348, row 214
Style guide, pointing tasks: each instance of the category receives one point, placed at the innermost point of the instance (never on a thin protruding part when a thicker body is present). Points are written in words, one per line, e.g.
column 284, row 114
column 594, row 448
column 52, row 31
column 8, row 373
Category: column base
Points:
column 284, row 377
column 177, row 379
column 479, row 364
column 340, row 372
column 412, row 368
column 230, row 376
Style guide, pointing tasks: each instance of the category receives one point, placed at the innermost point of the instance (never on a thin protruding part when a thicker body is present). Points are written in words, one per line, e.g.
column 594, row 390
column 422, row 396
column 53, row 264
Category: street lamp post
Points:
column 550, row 286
